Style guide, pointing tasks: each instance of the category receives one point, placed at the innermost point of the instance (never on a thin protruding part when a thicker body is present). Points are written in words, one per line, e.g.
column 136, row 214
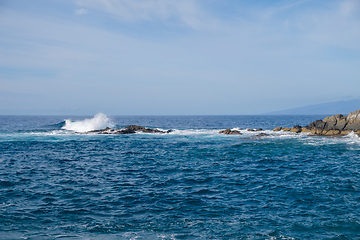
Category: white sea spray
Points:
column 99, row 121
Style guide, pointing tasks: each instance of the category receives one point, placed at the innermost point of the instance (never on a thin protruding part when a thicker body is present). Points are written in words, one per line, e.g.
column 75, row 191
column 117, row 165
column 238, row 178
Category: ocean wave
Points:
column 99, row 121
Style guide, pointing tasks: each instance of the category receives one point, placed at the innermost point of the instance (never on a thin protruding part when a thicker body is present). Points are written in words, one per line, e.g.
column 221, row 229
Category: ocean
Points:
column 193, row 183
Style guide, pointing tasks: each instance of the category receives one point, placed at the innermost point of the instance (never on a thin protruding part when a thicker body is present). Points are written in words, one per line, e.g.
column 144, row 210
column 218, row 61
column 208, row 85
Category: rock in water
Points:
column 333, row 126
column 230, row 132
column 353, row 120
column 296, row 129
column 128, row 130
column 260, row 135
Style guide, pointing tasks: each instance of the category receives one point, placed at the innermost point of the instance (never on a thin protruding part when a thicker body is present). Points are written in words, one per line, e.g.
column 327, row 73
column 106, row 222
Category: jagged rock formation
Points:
column 128, row 130
column 230, row 132
column 337, row 125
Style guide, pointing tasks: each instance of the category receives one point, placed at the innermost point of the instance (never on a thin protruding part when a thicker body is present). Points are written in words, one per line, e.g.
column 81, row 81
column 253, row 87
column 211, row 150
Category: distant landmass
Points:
column 331, row 108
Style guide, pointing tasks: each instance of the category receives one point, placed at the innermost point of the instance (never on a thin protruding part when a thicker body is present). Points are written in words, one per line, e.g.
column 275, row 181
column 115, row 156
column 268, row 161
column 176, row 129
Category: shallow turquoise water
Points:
column 191, row 184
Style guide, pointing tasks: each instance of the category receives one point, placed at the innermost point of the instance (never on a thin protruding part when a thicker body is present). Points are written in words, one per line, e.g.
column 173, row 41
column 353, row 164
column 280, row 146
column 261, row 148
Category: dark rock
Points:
column 296, row 129
column 128, row 130
column 261, row 135
column 336, row 122
column 340, row 124
column 353, row 126
column 319, row 124
column 330, row 122
column 100, row 130
column 230, row 132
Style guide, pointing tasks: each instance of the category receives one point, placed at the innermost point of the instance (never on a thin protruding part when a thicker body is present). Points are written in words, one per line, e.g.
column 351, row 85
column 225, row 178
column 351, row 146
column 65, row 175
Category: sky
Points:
column 176, row 57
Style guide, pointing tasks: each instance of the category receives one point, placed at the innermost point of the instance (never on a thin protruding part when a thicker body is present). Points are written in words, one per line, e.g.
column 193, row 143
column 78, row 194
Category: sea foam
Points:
column 99, row 121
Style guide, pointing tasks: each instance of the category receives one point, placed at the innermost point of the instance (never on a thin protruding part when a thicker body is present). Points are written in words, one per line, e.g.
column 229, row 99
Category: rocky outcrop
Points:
column 230, row 132
column 254, row 130
column 296, row 129
column 334, row 126
column 128, row 130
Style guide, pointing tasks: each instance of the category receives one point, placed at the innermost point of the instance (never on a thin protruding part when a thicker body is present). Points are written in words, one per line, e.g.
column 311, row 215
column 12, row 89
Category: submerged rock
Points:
column 128, row 130
column 333, row 126
column 260, row 135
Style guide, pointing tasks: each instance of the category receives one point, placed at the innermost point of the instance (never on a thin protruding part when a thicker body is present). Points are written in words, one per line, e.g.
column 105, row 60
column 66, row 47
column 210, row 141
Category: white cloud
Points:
column 81, row 11
column 186, row 11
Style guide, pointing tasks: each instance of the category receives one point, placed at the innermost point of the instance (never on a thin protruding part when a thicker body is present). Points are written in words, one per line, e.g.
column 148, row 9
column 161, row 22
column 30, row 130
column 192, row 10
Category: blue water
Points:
column 190, row 184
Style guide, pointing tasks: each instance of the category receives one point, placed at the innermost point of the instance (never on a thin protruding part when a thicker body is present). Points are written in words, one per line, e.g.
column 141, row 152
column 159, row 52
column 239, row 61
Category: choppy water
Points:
column 191, row 184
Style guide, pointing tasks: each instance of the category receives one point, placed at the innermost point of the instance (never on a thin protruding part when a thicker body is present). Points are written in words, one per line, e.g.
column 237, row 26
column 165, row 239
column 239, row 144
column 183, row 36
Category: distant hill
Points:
column 331, row 108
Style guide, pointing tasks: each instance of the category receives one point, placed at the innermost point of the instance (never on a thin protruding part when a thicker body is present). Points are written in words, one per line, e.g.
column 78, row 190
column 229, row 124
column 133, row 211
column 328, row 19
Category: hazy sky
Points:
column 139, row 57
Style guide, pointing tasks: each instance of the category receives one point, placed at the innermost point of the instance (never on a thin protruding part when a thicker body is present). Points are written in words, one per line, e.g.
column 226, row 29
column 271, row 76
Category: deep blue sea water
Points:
column 190, row 184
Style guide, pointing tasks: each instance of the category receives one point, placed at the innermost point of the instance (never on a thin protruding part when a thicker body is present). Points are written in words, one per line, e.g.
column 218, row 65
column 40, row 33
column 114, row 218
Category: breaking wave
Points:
column 99, row 121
